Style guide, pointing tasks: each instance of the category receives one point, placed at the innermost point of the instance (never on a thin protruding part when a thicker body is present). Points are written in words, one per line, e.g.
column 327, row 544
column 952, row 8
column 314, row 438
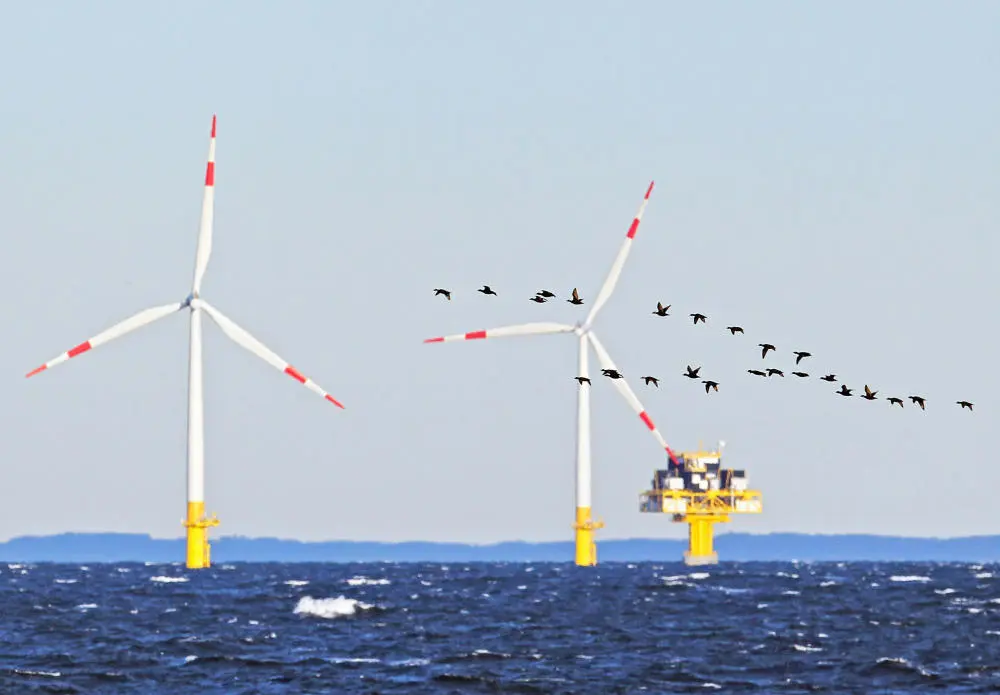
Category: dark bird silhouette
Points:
column 869, row 394
column 486, row 290
column 692, row 373
column 545, row 293
column 756, row 372
column 896, row 401
column 576, row 298
column 651, row 380
column 799, row 355
column 829, row 377
column 766, row 347
column 964, row 404
column 661, row 310
column 698, row 317
column 582, row 379
column 919, row 400
column 538, row 300
column 734, row 329
column 801, row 374
column 844, row 391
column 612, row 373
column 772, row 371
column 710, row 385
column 446, row 293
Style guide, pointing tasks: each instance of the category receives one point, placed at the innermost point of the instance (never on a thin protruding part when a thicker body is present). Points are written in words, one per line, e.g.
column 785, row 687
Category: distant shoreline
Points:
column 734, row 547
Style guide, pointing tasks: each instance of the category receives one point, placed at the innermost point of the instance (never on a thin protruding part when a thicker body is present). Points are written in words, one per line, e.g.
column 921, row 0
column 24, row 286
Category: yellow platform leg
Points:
column 586, row 548
column 199, row 550
column 700, row 536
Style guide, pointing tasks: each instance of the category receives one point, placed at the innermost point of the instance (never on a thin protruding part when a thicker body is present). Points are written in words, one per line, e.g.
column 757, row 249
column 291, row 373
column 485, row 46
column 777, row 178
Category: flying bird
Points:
column 698, row 317
column 692, row 373
column 734, row 329
column 651, row 380
column 756, row 372
column 844, row 391
column 799, row 355
column 538, row 299
column 829, row 377
column 661, row 310
column 576, row 298
column 896, row 401
column 869, row 394
column 772, row 371
column 918, row 400
column 582, row 379
column 446, row 293
column 964, row 404
column 710, row 385
column 545, row 293
column 486, row 290
column 766, row 346
column 612, row 373
column 801, row 374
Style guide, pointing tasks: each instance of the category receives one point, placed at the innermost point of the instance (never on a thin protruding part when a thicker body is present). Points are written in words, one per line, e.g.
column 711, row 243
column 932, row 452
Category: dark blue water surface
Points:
column 497, row 628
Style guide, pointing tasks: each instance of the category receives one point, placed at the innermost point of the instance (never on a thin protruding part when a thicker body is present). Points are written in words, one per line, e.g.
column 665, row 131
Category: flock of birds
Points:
column 662, row 310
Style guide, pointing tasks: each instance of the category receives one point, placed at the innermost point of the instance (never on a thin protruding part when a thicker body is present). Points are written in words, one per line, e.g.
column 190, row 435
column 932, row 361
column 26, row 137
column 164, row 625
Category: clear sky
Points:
column 827, row 177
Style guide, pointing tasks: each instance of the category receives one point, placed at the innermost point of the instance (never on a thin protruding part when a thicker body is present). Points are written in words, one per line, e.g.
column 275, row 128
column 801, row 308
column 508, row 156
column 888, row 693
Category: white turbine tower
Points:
column 198, row 549
column 586, row 549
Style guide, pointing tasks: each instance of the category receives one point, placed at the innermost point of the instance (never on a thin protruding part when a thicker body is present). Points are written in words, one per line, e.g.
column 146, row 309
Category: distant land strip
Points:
column 734, row 547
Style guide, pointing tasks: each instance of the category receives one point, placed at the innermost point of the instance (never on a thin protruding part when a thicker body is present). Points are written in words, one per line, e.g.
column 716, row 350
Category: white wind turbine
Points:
column 586, row 549
column 198, row 549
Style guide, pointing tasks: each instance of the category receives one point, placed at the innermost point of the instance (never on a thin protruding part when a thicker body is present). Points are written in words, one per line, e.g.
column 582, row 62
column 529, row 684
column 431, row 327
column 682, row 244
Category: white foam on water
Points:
column 944, row 592
column 713, row 686
column 65, row 581
column 353, row 660
column 87, row 606
column 365, row 581
column 984, row 575
column 44, row 674
column 297, row 582
column 410, row 662
column 521, row 587
column 329, row 608
column 168, row 580
column 699, row 575
column 828, row 583
column 122, row 570
column 790, row 593
column 908, row 578
column 789, row 575
column 806, row 648
column 425, row 583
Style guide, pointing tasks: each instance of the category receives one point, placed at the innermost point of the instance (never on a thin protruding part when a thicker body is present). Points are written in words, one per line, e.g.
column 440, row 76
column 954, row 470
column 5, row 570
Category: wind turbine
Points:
column 197, row 524
column 586, row 549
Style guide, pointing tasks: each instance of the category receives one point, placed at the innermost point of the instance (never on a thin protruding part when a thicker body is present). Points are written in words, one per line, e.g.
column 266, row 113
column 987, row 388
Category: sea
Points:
column 500, row 628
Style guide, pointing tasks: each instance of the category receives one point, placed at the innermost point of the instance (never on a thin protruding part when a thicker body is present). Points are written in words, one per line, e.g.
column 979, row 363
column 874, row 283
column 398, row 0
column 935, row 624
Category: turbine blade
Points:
column 133, row 322
column 625, row 390
column 207, row 213
column 616, row 267
column 523, row 329
column 240, row 336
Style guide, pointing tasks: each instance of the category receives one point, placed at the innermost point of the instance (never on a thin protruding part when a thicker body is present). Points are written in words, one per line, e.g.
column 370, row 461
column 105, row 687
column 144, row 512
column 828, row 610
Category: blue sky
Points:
column 826, row 177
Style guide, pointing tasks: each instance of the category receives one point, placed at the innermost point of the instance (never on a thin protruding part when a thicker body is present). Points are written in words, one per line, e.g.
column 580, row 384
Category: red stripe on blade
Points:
column 295, row 374
column 645, row 418
column 213, row 125
column 210, row 174
column 35, row 371
column 649, row 190
column 334, row 401
column 632, row 230
column 434, row 340
column 475, row 335
column 79, row 349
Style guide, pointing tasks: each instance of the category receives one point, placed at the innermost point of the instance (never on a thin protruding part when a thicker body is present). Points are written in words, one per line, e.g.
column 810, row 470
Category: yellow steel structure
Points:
column 199, row 550
column 700, row 509
column 586, row 549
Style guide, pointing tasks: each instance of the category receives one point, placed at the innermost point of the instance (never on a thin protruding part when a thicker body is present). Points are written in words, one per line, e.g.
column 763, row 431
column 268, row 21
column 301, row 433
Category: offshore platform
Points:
column 698, row 491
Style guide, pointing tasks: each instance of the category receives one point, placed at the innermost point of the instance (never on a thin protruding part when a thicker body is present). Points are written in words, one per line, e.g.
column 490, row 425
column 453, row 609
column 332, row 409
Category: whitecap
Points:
column 790, row 593
column 410, row 662
column 806, row 648
column 984, row 575
column 329, row 607
column 297, row 582
column 87, row 606
column 944, row 592
column 699, row 575
column 65, row 581
column 828, row 583
column 44, row 674
column 353, row 660
column 365, row 581
column 908, row 578
column 168, row 580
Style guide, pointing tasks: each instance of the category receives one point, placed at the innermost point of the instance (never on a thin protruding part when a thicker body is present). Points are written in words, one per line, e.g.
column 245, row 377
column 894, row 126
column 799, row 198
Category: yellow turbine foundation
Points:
column 199, row 550
column 700, row 537
column 586, row 549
